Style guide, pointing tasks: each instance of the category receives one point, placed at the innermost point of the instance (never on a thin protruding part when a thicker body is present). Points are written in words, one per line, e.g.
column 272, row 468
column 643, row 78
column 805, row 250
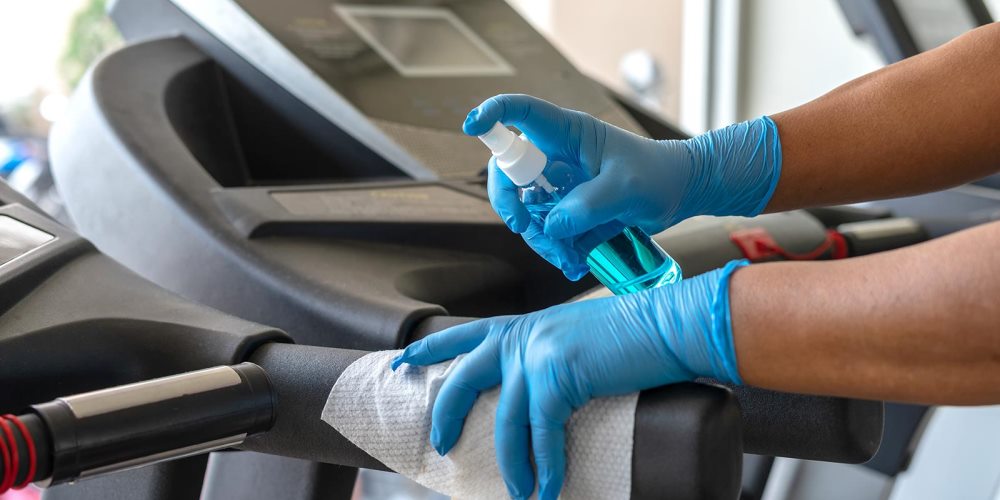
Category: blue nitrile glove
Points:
column 553, row 361
column 636, row 181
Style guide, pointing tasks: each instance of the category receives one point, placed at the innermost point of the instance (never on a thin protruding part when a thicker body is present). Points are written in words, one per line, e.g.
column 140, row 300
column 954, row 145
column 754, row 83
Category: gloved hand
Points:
column 553, row 361
column 635, row 181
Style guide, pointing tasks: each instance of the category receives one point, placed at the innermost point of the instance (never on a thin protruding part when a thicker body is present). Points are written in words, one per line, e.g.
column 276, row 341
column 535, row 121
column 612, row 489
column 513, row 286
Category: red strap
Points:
column 840, row 250
column 29, row 442
column 757, row 244
column 6, row 465
column 10, row 457
column 5, row 455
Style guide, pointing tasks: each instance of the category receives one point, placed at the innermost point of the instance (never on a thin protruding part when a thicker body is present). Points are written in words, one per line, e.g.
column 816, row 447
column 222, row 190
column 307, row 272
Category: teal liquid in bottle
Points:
column 626, row 262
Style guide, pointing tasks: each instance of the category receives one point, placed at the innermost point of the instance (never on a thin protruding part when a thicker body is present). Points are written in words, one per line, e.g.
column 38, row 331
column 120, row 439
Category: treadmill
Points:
column 291, row 153
column 299, row 166
column 117, row 388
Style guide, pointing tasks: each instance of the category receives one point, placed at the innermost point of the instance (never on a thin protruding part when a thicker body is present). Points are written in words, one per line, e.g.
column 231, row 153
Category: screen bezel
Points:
column 351, row 14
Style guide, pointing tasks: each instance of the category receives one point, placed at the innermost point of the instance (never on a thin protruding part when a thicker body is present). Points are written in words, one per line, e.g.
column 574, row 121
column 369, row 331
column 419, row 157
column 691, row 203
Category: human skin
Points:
column 920, row 324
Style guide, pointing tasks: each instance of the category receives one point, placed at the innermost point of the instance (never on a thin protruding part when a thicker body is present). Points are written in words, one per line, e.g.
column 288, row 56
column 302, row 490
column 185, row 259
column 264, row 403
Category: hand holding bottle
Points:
column 635, row 181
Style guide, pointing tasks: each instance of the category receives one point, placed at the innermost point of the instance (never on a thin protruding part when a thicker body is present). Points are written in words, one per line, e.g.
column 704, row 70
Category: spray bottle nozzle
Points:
column 498, row 139
column 516, row 156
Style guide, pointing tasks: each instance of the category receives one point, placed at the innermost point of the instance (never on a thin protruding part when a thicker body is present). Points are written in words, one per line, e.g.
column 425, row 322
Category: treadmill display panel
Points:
column 423, row 41
column 401, row 75
column 18, row 238
column 414, row 68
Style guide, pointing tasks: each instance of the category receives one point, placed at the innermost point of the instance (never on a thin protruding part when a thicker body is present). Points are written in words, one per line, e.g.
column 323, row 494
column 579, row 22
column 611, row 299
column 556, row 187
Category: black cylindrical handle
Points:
column 162, row 419
column 26, row 438
column 687, row 443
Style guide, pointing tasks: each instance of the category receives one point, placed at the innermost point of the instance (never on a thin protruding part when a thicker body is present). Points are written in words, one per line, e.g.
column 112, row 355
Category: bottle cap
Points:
column 516, row 156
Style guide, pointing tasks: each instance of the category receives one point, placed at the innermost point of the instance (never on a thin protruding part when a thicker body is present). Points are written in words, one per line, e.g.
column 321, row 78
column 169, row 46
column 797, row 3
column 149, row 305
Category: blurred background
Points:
column 45, row 48
column 708, row 63
column 699, row 63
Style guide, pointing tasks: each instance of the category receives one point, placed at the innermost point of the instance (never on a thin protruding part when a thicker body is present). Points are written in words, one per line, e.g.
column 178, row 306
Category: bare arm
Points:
column 923, row 124
column 920, row 324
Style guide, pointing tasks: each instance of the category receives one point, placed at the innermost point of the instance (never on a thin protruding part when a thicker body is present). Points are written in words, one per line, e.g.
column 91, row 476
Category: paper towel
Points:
column 388, row 415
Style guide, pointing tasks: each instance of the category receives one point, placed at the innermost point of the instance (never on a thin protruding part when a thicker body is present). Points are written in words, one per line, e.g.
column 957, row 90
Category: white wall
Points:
column 794, row 51
column 537, row 12
column 596, row 34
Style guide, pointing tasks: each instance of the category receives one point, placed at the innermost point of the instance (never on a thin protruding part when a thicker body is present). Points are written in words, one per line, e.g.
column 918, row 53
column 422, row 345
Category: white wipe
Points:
column 388, row 415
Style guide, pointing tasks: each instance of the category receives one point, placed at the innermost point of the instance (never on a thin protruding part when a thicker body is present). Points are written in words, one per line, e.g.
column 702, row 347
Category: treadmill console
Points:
column 399, row 77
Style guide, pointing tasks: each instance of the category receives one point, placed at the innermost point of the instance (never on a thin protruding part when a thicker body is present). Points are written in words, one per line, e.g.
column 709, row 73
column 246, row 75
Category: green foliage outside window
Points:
column 91, row 34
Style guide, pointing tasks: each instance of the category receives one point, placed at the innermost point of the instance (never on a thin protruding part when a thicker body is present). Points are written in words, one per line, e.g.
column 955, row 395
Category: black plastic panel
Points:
column 670, row 421
column 142, row 20
column 240, row 140
column 246, row 256
column 809, row 427
column 74, row 320
column 244, row 475
column 176, row 480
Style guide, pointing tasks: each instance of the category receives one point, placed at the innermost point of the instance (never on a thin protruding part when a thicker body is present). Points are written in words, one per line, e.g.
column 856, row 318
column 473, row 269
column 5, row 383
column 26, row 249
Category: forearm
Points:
column 920, row 324
column 920, row 125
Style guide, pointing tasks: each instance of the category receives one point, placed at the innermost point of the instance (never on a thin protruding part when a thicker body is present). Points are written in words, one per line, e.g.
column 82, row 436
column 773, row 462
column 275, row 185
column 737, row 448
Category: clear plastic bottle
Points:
column 627, row 262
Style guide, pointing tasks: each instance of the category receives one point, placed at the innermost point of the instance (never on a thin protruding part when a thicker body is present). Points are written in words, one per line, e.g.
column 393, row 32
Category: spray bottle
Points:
column 627, row 262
